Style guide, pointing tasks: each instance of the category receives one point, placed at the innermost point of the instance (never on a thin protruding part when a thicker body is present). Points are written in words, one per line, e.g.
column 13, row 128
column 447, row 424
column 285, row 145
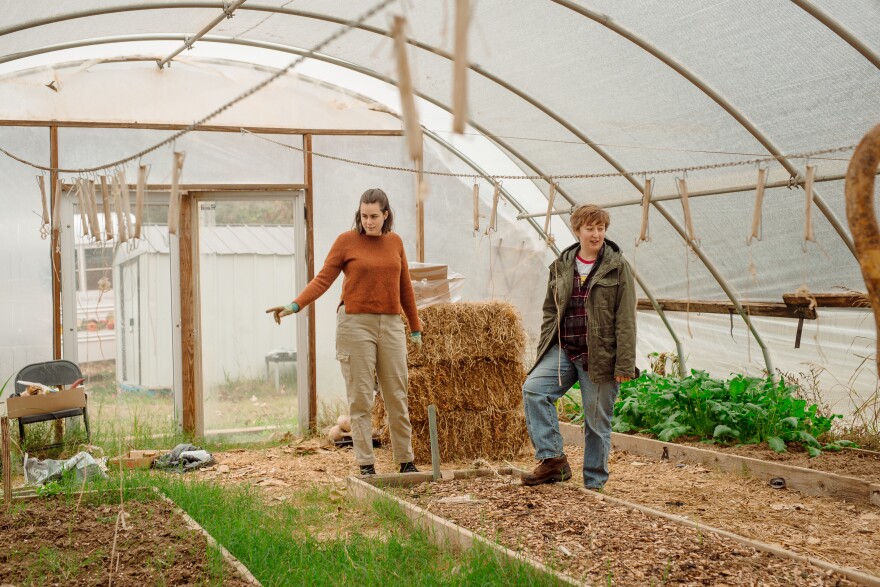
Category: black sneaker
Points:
column 408, row 468
column 368, row 470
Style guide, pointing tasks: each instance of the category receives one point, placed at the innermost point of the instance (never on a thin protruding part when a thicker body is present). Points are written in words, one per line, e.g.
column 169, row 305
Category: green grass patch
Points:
column 315, row 539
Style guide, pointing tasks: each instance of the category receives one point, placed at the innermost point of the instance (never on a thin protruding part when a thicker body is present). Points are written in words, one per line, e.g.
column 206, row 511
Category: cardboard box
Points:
column 430, row 283
column 135, row 459
column 22, row 406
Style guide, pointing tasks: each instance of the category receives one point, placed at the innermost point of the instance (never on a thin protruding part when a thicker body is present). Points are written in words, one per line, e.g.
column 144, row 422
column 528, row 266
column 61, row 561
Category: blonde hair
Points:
column 589, row 214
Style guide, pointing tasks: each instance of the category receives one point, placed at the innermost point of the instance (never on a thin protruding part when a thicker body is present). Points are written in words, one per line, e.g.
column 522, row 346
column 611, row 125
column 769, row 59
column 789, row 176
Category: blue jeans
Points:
column 554, row 374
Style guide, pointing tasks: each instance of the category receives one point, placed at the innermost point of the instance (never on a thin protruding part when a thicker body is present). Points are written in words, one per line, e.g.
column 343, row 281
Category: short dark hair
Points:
column 589, row 214
column 374, row 196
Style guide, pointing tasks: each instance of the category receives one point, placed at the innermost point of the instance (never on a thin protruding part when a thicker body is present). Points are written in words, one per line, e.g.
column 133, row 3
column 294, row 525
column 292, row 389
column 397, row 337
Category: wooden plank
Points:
column 242, row 570
column 308, row 169
column 409, row 479
column 829, row 300
column 28, row 493
column 444, row 533
column 399, row 479
column 6, row 461
column 808, row 481
column 771, row 309
column 223, row 187
column 191, row 398
column 56, row 248
column 572, row 434
column 274, row 130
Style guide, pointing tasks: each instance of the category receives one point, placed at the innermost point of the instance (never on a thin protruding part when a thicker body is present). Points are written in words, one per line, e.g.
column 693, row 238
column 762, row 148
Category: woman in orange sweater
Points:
column 370, row 337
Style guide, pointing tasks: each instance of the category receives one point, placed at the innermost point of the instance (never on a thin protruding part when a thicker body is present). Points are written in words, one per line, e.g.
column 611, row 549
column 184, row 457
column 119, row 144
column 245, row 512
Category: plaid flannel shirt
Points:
column 574, row 322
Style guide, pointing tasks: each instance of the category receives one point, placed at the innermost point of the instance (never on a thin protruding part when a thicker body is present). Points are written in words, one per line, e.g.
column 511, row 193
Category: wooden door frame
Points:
column 192, row 385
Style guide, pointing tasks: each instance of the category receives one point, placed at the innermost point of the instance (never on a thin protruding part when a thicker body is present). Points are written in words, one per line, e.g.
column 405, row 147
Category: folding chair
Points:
column 52, row 373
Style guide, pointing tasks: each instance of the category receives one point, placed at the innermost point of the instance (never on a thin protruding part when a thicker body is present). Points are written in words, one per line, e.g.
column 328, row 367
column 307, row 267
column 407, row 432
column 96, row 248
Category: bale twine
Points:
column 471, row 367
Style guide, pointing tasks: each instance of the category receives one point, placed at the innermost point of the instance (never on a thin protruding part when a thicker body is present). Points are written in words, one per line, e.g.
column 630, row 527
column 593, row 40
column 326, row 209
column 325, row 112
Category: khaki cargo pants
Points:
column 371, row 347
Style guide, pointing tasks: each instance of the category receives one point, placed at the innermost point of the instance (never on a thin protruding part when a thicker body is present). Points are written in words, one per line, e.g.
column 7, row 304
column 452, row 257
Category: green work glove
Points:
column 279, row 312
column 416, row 338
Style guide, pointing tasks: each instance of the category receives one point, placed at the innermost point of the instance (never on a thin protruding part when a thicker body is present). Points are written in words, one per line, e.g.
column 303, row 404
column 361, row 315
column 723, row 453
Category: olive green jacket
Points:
column 611, row 313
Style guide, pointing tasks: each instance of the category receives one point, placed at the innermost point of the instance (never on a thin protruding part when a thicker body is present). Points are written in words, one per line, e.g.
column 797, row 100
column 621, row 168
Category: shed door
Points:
column 246, row 263
column 128, row 324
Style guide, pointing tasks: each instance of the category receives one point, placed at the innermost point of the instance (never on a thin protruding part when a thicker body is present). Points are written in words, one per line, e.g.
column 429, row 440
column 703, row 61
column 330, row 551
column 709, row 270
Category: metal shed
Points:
column 258, row 258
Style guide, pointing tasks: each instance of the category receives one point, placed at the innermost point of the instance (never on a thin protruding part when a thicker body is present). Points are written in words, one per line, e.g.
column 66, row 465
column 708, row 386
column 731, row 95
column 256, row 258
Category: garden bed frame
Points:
column 808, row 481
column 440, row 531
column 444, row 533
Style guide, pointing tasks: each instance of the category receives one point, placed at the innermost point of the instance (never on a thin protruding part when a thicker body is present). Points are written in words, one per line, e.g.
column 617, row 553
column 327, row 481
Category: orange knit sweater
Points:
column 376, row 277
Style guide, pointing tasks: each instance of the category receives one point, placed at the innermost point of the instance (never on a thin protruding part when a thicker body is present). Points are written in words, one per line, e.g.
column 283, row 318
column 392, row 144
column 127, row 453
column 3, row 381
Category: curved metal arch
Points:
column 735, row 112
column 679, row 348
column 602, row 19
column 546, row 110
column 376, row 75
column 838, row 29
column 605, row 21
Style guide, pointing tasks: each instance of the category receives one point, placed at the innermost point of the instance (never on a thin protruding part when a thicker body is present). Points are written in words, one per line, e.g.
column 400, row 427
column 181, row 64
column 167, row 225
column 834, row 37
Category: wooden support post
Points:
column 862, row 217
column 55, row 243
column 6, row 462
column 193, row 420
column 772, row 309
column 420, row 213
column 310, row 274
column 56, row 247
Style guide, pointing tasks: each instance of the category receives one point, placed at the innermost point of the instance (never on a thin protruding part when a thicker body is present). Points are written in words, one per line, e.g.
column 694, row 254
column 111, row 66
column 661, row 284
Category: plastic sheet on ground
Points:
column 83, row 465
column 184, row 457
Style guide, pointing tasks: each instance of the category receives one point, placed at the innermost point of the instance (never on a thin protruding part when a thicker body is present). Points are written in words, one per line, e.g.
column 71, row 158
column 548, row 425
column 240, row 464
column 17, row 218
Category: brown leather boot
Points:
column 549, row 471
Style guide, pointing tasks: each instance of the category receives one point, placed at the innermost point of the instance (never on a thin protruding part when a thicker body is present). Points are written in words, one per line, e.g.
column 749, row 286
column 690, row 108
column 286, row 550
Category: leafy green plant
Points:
column 49, row 489
column 569, row 405
column 5, row 383
column 747, row 410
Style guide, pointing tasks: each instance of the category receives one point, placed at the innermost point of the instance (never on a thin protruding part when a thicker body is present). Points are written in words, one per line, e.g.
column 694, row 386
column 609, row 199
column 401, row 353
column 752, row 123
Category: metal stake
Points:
column 435, row 449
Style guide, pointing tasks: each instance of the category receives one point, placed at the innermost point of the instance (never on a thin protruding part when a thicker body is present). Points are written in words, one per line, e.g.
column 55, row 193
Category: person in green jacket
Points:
column 588, row 334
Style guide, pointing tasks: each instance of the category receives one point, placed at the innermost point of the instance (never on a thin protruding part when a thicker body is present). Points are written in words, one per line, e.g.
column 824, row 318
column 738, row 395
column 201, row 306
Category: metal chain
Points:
column 804, row 155
column 253, row 90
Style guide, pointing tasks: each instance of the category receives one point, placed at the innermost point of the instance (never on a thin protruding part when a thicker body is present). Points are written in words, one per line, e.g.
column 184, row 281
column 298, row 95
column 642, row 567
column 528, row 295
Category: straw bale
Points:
column 465, row 434
column 470, row 330
column 470, row 384
column 470, row 366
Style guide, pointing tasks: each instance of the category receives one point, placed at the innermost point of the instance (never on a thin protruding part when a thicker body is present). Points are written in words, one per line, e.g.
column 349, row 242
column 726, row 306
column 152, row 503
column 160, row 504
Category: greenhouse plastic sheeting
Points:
column 556, row 87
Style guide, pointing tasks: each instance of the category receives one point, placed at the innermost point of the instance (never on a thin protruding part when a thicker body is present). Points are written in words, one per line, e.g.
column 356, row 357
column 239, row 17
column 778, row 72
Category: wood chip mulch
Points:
column 600, row 543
